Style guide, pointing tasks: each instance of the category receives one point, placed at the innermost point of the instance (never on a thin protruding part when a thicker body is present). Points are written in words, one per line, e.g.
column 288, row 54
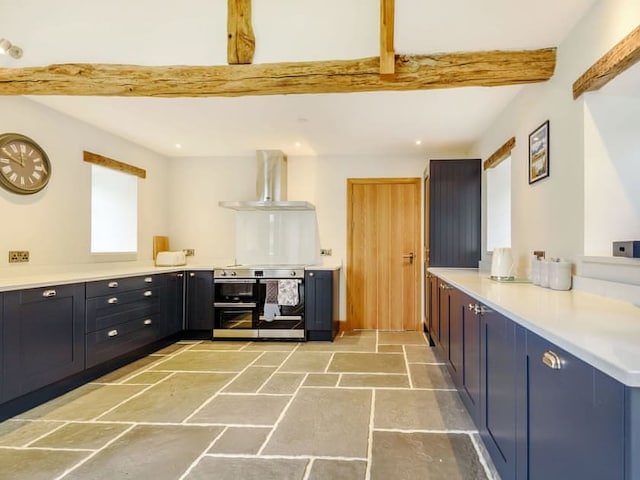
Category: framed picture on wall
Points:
column 539, row 153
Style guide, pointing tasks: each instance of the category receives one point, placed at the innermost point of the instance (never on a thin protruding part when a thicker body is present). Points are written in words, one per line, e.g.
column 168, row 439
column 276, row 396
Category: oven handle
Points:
column 236, row 304
column 235, row 280
column 283, row 317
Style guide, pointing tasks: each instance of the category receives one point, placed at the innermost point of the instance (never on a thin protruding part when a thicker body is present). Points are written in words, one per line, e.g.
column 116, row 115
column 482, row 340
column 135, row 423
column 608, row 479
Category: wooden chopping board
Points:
column 160, row 244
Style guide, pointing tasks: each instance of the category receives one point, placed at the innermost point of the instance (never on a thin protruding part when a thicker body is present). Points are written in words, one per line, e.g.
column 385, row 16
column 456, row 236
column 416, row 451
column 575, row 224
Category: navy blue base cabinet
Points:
column 43, row 337
column 173, row 305
column 499, row 368
column 542, row 413
column 199, row 307
column 576, row 417
column 321, row 309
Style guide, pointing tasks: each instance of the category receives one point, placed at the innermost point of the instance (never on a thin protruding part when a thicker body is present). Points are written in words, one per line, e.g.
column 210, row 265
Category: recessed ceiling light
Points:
column 178, row 145
column 418, row 142
column 302, row 120
column 298, row 144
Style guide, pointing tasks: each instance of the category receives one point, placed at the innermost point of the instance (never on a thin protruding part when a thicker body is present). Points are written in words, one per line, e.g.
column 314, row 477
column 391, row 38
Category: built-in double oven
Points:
column 259, row 302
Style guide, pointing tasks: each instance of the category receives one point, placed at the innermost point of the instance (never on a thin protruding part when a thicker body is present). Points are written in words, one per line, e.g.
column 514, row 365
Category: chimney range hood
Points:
column 271, row 186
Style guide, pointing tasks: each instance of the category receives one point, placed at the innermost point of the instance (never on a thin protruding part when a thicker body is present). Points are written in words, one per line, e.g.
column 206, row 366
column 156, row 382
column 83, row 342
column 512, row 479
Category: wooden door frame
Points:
column 418, row 260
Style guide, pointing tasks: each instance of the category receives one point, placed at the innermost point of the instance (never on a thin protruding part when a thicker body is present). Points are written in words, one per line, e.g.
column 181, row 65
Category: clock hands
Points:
column 11, row 157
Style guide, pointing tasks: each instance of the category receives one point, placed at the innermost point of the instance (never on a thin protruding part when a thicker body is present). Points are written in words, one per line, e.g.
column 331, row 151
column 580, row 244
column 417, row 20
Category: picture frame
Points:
column 539, row 153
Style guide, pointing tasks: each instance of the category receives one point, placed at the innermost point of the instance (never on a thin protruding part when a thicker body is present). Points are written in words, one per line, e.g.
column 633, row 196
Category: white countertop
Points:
column 17, row 277
column 601, row 331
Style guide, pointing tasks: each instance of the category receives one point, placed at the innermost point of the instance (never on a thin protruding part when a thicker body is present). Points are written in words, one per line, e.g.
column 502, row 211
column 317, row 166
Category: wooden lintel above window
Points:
column 499, row 155
column 412, row 72
column 622, row 56
column 241, row 42
column 107, row 162
column 387, row 49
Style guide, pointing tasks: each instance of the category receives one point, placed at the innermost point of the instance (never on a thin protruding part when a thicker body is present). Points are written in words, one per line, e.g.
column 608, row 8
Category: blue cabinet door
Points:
column 43, row 337
column 173, row 304
column 434, row 310
column 456, row 336
column 444, row 302
column 576, row 417
column 200, row 301
column 470, row 391
column 499, row 368
column 320, row 291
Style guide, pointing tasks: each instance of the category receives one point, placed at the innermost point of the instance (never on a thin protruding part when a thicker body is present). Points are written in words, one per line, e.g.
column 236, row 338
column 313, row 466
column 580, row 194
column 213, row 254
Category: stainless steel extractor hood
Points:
column 271, row 186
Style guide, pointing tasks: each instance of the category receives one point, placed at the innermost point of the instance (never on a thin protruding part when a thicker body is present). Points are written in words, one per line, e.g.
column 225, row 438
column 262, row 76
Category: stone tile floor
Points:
column 371, row 405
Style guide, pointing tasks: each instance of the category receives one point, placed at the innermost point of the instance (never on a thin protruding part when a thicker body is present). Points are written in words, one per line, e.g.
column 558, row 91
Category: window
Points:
column 114, row 211
column 499, row 205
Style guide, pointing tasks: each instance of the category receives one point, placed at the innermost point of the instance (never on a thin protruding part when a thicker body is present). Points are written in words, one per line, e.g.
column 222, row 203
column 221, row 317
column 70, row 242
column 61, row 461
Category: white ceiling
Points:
column 158, row 33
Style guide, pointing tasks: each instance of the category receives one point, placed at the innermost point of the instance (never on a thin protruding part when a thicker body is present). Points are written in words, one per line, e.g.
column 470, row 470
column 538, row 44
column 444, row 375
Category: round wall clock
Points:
column 24, row 165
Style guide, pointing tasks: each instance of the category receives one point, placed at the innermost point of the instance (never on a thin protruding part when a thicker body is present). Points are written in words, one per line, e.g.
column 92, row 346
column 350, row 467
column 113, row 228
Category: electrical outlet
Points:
column 539, row 253
column 325, row 252
column 189, row 252
column 18, row 256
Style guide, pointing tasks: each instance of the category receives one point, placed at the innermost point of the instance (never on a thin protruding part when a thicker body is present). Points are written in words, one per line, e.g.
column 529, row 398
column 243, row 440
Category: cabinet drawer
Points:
column 121, row 339
column 118, row 285
column 103, row 312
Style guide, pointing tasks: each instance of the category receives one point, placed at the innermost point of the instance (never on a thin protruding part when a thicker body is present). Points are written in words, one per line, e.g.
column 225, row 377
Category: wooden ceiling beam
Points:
column 387, row 49
column 413, row 72
column 499, row 155
column 241, row 42
column 622, row 56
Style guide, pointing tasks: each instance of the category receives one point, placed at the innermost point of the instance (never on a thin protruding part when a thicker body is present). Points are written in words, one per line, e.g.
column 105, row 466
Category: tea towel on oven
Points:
column 288, row 292
column 271, row 308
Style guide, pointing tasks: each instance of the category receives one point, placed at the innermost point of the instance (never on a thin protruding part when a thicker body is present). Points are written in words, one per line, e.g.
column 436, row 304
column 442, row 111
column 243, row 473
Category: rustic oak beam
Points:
column 413, row 72
column 387, row 49
column 499, row 155
column 117, row 165
column 241, row 42
column 622, row 56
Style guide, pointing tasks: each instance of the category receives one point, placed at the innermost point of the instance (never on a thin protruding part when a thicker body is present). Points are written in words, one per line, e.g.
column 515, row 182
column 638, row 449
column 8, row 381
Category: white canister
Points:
column 535, row 270
column 544, row 273
column 560, row 275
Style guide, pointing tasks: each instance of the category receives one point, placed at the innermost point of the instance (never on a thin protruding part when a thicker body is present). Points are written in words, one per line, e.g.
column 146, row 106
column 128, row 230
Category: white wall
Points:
column 55, row 224
column 612, row 172
column 549, row 215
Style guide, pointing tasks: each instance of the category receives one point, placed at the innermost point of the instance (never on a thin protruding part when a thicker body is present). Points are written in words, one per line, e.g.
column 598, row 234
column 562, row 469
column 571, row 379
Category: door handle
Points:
column 410, row 256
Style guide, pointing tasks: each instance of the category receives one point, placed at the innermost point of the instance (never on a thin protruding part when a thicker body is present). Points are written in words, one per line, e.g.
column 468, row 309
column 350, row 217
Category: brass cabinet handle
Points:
column 552, row 360
column 49, row 293
column 112, row 300
column 148, row 293
column 113, row 333
column 148, row 279
column 112, row 284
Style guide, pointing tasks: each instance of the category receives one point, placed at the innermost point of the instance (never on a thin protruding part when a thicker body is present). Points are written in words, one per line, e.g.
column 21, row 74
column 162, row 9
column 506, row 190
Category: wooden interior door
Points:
column 383, row 253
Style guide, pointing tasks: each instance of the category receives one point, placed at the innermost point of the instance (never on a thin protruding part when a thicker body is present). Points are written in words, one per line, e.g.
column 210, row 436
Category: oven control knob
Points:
column 223, row 274
column 293, row 274
column 233, row 274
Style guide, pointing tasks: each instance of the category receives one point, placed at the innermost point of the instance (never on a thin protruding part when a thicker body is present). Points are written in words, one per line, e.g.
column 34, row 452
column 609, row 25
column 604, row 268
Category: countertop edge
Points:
column 556, row 329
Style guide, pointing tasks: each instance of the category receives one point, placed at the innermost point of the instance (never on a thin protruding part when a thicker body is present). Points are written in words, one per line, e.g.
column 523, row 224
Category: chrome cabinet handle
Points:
column 148, row 293
column 147, row 321
column 112, row 284
column 148, row 279
column 311, row 274
column 49, row 293
column 552, row 360
column 180, row 275
column 113, row 333
column 192, row 274
column 113, row 300
column 444, row 286
column 472, row 307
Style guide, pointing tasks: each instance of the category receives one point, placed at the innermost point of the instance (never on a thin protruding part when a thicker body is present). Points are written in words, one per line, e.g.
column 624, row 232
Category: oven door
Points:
column 280, row 319
column 235, row 322
column 235, row 308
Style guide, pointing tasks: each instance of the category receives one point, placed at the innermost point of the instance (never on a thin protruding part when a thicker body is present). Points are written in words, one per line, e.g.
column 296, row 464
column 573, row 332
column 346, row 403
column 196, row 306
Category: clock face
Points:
column 24, row 166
